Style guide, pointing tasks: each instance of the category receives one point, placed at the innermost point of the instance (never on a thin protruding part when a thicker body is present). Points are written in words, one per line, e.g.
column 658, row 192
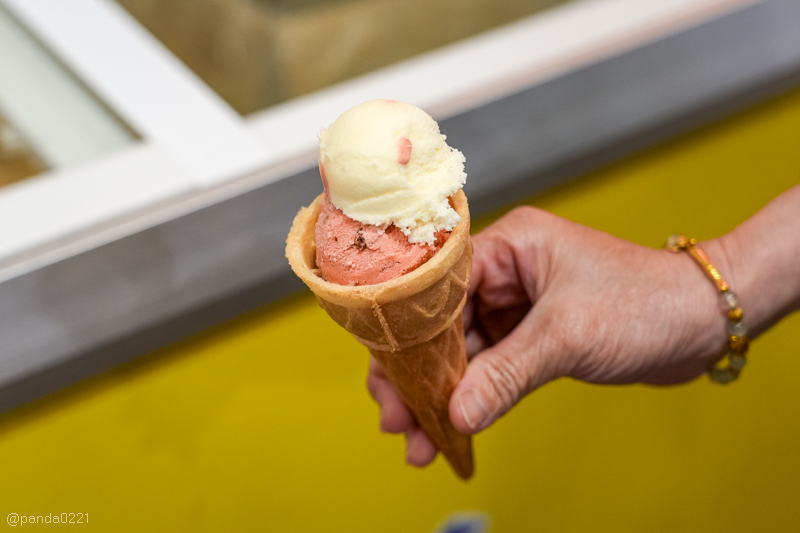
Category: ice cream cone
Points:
column 411, row 325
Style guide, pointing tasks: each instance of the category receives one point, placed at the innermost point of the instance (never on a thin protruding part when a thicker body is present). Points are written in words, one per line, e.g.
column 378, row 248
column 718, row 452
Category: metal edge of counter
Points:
column 180, row 277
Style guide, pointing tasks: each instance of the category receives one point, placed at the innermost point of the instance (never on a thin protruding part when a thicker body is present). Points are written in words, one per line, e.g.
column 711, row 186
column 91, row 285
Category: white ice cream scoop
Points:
column 385, row 162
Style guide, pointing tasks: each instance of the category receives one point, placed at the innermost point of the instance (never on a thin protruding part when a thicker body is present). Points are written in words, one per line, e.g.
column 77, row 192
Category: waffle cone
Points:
column 411, row 325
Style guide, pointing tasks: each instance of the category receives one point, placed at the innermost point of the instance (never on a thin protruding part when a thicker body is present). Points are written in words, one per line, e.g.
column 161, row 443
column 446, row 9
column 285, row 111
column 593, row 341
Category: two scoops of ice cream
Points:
column 388, row 176
column 386, row 250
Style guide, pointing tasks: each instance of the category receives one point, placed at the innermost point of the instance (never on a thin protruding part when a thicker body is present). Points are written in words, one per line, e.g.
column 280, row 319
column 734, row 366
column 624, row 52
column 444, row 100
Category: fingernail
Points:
column 473, row 409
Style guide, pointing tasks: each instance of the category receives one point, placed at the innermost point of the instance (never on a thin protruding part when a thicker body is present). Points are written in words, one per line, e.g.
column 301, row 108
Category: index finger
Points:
column 395, row 416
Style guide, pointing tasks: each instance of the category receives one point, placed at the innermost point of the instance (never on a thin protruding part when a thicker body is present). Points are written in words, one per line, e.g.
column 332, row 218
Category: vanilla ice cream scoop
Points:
column 385, row 162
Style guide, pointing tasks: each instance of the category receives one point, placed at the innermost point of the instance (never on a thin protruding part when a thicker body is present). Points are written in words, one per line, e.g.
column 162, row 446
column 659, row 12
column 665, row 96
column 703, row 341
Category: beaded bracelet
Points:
column 730, row 366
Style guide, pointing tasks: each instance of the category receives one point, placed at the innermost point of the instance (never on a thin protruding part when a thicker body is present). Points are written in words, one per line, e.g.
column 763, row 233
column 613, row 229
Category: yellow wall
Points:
column 265, row 424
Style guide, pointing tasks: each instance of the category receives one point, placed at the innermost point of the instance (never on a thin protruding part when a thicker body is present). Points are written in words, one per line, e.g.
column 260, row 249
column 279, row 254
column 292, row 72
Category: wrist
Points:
column 700, row 271
column 767, row 291
column 711, row 324
column 697, row 323
column 762, row 257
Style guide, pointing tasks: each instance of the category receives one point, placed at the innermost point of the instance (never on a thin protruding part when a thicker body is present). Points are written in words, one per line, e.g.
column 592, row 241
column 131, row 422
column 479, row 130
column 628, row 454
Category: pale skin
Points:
column 551, row 298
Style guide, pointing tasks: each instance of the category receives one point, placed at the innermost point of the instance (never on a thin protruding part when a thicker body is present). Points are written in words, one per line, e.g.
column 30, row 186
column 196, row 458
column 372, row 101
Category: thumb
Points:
column 500, row 376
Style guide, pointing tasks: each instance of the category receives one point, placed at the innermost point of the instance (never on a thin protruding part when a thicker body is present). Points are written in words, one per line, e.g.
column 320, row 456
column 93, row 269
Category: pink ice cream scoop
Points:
column 352, row 253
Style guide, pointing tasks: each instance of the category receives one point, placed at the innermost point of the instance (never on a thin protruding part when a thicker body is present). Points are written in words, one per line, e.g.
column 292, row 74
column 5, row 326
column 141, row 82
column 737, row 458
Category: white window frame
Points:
column 193, row 140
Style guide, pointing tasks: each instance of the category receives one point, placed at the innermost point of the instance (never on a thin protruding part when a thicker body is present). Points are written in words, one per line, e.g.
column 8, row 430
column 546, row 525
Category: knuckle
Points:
column 528, row 216
column 523, row 211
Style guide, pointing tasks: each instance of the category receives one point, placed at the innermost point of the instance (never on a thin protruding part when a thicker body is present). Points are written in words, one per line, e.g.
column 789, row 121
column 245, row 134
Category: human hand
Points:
column 550, row 298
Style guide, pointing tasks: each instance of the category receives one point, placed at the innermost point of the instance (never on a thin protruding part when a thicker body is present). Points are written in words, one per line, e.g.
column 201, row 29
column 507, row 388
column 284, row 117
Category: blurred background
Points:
column 161, row 368
column 256, row 53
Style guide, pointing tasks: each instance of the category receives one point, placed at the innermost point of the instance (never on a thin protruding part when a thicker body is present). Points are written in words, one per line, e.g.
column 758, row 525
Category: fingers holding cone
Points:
column 499, row 376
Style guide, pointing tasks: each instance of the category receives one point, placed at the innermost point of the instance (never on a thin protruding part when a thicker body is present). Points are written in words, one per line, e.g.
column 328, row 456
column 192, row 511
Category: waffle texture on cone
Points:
column 426, row 375
column 392, row 315
column 412, row 324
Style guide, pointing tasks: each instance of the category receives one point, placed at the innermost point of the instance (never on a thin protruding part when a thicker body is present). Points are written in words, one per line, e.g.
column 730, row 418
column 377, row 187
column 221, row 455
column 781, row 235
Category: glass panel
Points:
column 256, row 53
column 17, row 160
column 48, row 119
